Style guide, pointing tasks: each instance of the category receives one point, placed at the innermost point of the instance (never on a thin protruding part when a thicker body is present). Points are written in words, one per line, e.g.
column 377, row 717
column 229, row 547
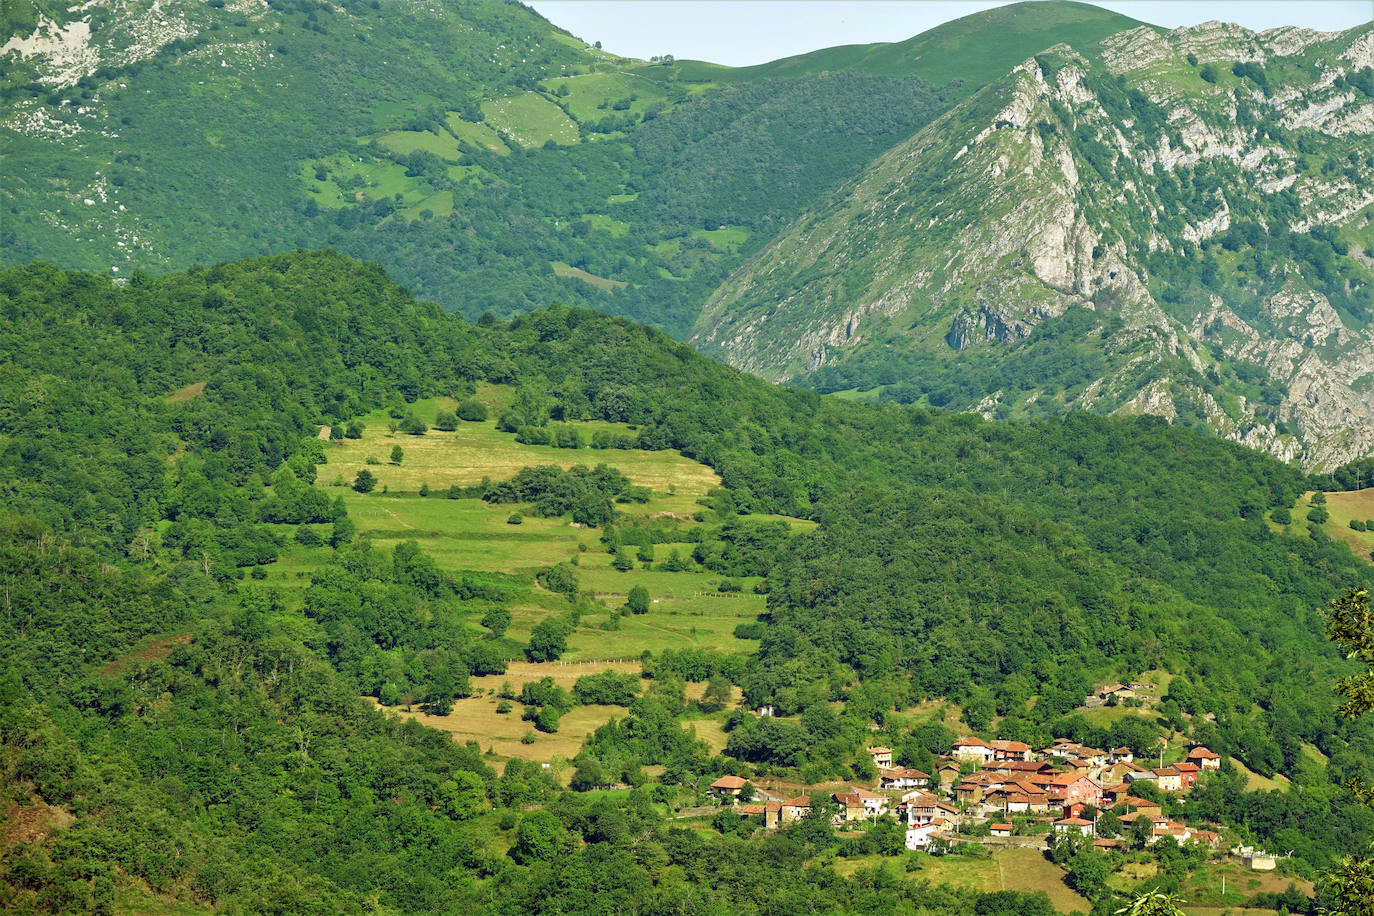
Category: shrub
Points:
column 1357, row 525
column 472, row 411
column 413, row 426
column 446, row 420
column 515, row 518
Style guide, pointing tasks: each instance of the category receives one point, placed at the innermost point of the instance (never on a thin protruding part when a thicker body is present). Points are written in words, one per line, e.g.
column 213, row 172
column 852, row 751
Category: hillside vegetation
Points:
column 1007, row 567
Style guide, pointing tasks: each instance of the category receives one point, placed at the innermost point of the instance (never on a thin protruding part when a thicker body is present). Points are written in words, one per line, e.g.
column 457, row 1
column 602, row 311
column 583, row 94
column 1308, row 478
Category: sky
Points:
column 744, row 32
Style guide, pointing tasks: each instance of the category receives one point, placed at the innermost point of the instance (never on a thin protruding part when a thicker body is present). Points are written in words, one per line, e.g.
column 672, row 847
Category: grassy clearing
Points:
column 725, row 238
column 437, row 205
column 478, row 450
column 1254, row 782
column 1202, row 888
column 590, row 96
column 603, row 283
column 406, row 142
column 475, row 134
column 475, row 718
column 603, row 223
column 1009, row 870
column 185, row 393
column 1355, row 504
column 530, row 120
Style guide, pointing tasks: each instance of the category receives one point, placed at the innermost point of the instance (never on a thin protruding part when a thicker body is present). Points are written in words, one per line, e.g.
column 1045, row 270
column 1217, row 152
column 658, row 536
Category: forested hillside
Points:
column 159, row 435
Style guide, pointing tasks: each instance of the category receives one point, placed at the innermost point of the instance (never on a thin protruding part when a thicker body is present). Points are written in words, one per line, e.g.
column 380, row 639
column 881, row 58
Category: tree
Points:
column 472, row 411
column 397, row 453
column 539, row 838
column 446, row 420
column 365, row 482
column 548, row 641
column 1350, row 884
column 638, row 600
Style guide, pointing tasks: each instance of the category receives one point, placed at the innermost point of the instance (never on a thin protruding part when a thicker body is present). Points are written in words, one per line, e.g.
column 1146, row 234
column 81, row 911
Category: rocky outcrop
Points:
column 1048, row 191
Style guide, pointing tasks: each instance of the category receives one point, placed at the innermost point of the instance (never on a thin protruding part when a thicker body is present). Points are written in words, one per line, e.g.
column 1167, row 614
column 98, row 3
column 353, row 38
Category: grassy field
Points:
column 687, row 608
column 444, row 146
column 590, row 96
column 1203, row 888
column 1007, row 870
column 530, row 120
column 478, row 450
column 565, row 270
column 1355, row 504
column 476, row 134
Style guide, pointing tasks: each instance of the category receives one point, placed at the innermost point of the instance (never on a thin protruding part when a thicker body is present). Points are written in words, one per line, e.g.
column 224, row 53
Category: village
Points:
column 1008, row 793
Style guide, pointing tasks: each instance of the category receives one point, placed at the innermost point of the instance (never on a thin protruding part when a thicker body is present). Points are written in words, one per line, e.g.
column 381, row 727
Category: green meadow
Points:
column 687, row 609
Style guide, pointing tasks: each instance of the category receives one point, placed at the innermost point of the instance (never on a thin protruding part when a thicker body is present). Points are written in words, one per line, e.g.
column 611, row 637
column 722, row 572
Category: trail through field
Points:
column 402, row 522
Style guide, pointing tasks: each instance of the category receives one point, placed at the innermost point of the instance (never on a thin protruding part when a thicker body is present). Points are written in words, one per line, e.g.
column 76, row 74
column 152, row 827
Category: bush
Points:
column 515, row 518
column 446, row 420
column 638, row 600
column 1282, row 517
column 1357, row 525
column 365, row 482
column 413, row 426
column 472, row 411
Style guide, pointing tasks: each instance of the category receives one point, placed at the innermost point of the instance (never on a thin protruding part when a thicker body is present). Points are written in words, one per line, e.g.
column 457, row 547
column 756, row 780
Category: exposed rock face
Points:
column 1060, row 187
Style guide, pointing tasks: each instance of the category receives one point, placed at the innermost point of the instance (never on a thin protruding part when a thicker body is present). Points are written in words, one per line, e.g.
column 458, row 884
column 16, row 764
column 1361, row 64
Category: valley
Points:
column 924, row 477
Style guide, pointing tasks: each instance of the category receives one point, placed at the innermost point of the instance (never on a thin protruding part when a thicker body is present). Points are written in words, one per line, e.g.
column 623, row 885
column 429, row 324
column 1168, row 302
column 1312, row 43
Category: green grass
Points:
column 590, row 96
column 530, row 120
column 439, row 205
column 615, row 228
column 565, row 270
column 1357, row 504
column 408, row 141
column 725, row 238
column 478, row 135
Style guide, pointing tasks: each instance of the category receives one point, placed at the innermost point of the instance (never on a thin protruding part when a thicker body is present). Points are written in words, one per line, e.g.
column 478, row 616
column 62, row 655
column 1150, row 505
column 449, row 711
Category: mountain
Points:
column 491, row 161
column 1169, row 223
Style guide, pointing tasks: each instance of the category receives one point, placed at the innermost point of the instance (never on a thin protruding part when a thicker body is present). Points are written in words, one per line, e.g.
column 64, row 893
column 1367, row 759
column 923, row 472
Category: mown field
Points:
column 1007, row 870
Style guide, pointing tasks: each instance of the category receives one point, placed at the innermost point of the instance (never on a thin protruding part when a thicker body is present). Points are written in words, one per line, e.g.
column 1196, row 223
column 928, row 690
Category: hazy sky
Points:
column 742, row 32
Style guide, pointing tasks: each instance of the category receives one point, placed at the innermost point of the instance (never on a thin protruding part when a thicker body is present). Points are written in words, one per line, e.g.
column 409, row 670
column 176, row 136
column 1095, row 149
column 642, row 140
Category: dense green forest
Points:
column 156, row 434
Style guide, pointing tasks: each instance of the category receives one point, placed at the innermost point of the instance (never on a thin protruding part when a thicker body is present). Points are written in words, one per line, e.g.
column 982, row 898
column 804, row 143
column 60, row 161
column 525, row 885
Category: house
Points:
column 1165, row 827
column 1169, row 779
column 1143, row 775
column 728, row 786
column 921, row 807
column 771, row 811
column 1204, row 759
column 1078, row 765
column 859, row 804
column 794, row 809
column 1120, row 691
column 1010, row 750
column 1111, row 794
column 903, row 778
column 1067, row 788
column 1074, row 825
column 1120, row 755
column 1000, row 830
column 1069, row 750
column 1142, row 805
column 1116, row 772
column 882, row 757
column 968, row 793
column 973, row 749
column 1106, row 845
column 1018, row 768
column 766, row 711
column 949, row 773
column 926, row 835
column 1188, row 773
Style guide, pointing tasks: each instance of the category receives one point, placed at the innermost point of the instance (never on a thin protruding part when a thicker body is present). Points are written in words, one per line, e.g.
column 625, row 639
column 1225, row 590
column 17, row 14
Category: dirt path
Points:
column 324, row 433
column 400, row 521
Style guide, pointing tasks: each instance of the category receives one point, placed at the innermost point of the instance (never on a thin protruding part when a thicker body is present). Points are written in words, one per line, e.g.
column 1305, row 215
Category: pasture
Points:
column 530, row 120
column 1343, row 507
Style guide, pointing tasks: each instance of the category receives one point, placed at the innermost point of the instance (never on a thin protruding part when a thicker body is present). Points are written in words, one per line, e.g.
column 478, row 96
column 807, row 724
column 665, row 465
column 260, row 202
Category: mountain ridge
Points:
column 1058, row 186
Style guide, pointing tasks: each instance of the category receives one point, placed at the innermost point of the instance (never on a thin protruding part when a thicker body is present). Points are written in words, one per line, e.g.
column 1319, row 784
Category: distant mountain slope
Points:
column 490, row 160
column 1174, row 224
column 973, row 49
